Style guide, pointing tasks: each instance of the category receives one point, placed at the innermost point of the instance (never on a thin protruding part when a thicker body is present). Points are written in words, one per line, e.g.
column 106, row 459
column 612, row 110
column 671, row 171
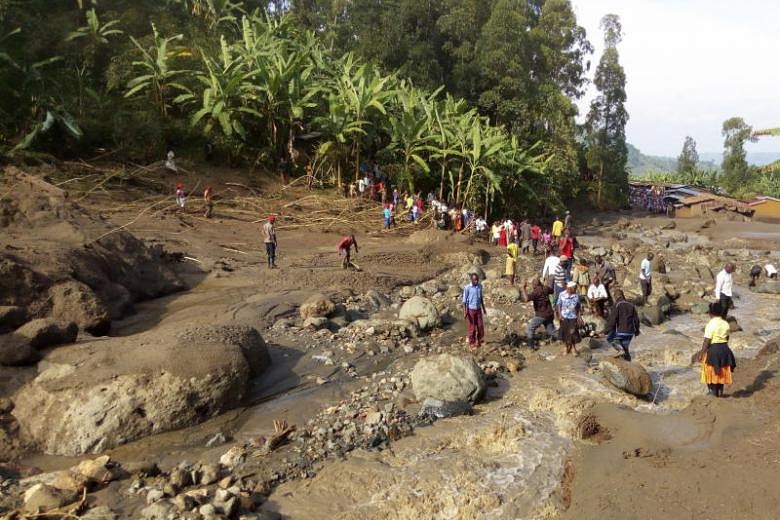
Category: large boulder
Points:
column 47, row 332
column 97, row 395
column 11, row 317
column 768, row 287
column 448, row 378
column 628, row 376
column 506, row 294
column 473, row 269
column 317, row 306
column 16, row 351
column 73, row 301
column 420, row 311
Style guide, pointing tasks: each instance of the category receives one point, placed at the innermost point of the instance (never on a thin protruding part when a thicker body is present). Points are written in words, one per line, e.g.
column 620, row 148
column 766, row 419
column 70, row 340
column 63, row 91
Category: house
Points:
column 765, row 207
column 660, row 197
column 710, row 204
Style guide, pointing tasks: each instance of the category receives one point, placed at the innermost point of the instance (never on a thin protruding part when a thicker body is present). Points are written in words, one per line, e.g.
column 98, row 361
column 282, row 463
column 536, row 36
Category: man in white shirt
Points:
column 480, row 224
column 548, row 271
column 771, row 271
column 646, row 277
column 597, row 295
column 723, row 286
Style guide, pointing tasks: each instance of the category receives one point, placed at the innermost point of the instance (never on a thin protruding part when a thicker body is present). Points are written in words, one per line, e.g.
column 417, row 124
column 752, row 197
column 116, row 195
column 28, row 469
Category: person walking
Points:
column 566, row 247
column 560, row 277
column 536, row 232
column 543, row 310
column 646, row 277
column 208, row 201
column 345, row 249
column 606, row 273
column 525, row 235
column 548, row 270
column 269, row 237
column 597, row 297
column 717, row 360
column 473, row 309
column 723, row 287
column 569, row 311
column 580, row 274
column 387, row 213
column 181, row 198
column 512, row 252
column 567, row 222
column 557, row 229
column 622, row 325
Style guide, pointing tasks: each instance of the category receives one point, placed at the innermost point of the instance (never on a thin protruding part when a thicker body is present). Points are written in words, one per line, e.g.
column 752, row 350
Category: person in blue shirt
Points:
column 388, row 215
column 569, row 311
column 473, row 309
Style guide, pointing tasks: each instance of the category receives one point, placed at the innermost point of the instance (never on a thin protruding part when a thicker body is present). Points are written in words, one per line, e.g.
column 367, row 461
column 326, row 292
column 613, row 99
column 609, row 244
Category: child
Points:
column 180, row 198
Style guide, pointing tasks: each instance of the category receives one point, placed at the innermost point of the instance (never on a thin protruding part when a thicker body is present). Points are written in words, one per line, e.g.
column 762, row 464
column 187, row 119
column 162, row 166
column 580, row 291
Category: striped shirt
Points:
column 560, row 276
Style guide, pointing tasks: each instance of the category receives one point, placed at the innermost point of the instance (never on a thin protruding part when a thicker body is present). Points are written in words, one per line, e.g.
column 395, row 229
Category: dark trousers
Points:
column 476, row 326
column 621, row 340
column 534, row 324
column 647, row 289
column 270, row 251
column 726, row 303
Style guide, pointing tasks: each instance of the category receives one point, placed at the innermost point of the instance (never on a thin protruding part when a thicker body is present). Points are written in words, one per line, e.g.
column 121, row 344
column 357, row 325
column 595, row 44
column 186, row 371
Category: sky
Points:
column 692, row 64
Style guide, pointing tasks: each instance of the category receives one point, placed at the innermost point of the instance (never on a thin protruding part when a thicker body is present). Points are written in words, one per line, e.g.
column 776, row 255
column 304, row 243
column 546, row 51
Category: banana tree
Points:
column 157, row 78
column 410, row 134
column 775, row 166
column 487, row 142
column 340, row 129
column 94, row 30
column 442, row 130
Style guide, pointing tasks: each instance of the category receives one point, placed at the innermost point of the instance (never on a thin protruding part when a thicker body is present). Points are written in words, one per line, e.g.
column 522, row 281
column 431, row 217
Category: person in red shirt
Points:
column 566, row 247
column 536, row 232
column 345, row 248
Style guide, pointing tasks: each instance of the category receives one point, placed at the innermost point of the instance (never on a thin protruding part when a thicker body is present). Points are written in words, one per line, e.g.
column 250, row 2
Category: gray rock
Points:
column 16, row 351
column 317, row 306
column 207, row 510
column 377, row 300
column 47, row 332
column 628, row 376
column 99, row 513
column 421, row 312
column 700, row 308
column 469, row 269
column 448, row 378
column 216, row 440
column 315, row 323
column 669, row 225
column 42, row 497
column 158, row 511
column 154, row 495
column 180, row 478
column 506, row 294
column 433, row 409
column 768, row 287
column 210, row 473
column 185, row 502
column 11, row 318
column 598, row 251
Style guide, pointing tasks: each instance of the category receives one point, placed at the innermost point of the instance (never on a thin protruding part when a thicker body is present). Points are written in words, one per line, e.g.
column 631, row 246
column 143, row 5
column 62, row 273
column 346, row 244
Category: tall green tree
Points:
column 736, row 170
column 606, row 123
column 688, row 160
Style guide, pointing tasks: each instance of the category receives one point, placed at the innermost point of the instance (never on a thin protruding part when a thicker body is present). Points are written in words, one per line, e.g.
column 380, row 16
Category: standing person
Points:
column 170, row 162
column 536, row 232
column 502, row 238
column 569, row 311
column 345, row 248
column 717, row 359
column 495, row 233
column 387, row 213
column 567, row 221
column 396, row 197
column 180, row 197
column 512, row 252
column 560, row 276
column 269, row 237
column 361, row 186
column 557, row 229
column 597, row 297
column 208, row 201
column 525, row 232
column 723, row 286
column 480, row 225
column 473, row 309
column 547, row 241
column 580, row 275
column 566, row 247
column 543, row 310
column 548, row 270
column 606, row 273
column 622, row 325
column 646, row 277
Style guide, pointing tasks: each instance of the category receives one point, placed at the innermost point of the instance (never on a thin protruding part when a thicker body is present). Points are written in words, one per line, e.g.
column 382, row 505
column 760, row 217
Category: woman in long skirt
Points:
column 717, row 359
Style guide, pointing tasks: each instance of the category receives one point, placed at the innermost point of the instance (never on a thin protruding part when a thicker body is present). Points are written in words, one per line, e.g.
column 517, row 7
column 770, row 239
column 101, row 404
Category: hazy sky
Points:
column 690, row 65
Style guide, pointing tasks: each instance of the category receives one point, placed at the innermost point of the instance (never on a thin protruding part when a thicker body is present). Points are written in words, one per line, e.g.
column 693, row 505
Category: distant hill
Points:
column 757, row 158
column 641, row 164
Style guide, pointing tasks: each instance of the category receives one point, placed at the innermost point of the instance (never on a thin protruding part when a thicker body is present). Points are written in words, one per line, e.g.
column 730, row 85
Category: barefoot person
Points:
column 569, row 312
column 543, row 310
column 345, row 249
column 717, row 359
column 622, row 325
column 269, row 237
column 473, row 309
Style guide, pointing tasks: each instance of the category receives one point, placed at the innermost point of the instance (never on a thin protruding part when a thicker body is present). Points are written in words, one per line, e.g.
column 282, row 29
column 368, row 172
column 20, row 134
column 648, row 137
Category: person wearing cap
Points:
column 569, row 311
column 269, row 232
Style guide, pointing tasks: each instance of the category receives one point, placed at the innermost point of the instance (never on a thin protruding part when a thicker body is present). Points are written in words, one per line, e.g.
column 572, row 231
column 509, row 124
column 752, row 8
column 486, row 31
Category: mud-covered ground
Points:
column 552, row 437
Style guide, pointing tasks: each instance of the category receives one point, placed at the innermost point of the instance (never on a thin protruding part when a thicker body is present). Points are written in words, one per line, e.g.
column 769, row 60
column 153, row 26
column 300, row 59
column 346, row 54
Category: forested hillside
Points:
column 472, row 99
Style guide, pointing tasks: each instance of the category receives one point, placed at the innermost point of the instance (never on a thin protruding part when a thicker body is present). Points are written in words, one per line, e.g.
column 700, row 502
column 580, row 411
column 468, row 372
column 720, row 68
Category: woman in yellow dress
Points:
column 717, row 359
column 512, row 252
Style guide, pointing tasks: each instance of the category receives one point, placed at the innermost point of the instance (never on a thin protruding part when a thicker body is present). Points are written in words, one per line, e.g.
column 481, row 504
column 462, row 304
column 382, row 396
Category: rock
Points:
column 768, row 287
column 88, row 399
column 16, row 351
column 373, row 418
column 700, row 308
column 473, row 268
column 47, row 332
column 708, row 224
column 230, row 507
column 671, row 292
column 514, row 365
column 598, row 251
column 433, row 409
column 420, row 311
column 158, row 511
column 42, row 498
column 99, row 513
column 678, row 237
column 11, row 317
column 317, row 306
column 448, row 378
column 216, row 440
column 154, row 495
column 652, row 315
column 210, row 474
column 185, row 502
column 770, row 347
column 207, row 510
column 506, row 294
column 377, row 300
column 98, row 470
column 6, row 405
column 669, row 225
column 145, row 468
column 628, row 376
column 315, row 323
column 73, row 301
column 180, row 478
